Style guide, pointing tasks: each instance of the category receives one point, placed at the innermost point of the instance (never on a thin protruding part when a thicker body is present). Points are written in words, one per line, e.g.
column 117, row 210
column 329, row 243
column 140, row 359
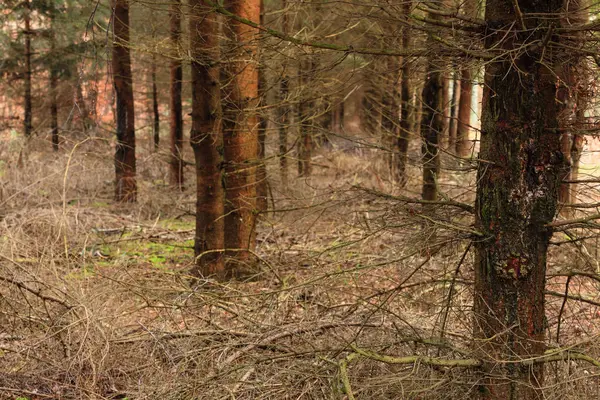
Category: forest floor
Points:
column 96, row 301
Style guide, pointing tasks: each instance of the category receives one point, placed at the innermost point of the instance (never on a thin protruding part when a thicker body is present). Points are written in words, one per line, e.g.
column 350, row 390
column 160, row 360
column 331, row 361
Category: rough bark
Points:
column 517, row 193
column 156, row 114
column 241, row 130
column 125, row 183
column 176, row 119
column 27, row 81
column 207, row 142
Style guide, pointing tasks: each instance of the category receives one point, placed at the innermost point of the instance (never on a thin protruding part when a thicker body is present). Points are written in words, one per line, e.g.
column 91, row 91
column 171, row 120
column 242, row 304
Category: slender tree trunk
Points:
column 432, row 125
column 207, row 141
column 176, row 121
column 445, row 132
column 453, row 112
column 573, row 93
column 305, row 116
column 241, row 133
column 390, row 112
column 125, row 184
column 464, row 146
column 283, row 128
column 82, row 107
column 261, row 172
column 156, row 121
column 284, row 109
column 517, row 193
column 53, row 94
column 27, row 94
column 405, row 97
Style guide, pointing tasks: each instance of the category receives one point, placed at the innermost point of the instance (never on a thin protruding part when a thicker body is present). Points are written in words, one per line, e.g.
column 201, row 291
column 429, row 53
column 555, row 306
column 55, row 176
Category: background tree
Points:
column 125, row 182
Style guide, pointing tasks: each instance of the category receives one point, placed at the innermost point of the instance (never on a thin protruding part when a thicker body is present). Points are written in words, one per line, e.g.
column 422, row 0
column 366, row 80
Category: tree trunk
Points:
column 517, row 193
column 464, row 147
column 261, row 172
column 306, row 119
column 241, row 131
column 445, row 132
column 27, row 94
column 432, row 125
column 82, row 107
column 573, row 93
column 207, row 141
column 453, row 112
column 156, row 121
column 390, row 112
column 284, row 109
column 176, row 128
column 53, row 93
column 405, row 97
column 125, row 183
column 283, row 128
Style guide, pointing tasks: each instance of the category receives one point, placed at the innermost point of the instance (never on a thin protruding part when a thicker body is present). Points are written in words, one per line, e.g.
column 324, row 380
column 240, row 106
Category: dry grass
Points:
column 96, row 303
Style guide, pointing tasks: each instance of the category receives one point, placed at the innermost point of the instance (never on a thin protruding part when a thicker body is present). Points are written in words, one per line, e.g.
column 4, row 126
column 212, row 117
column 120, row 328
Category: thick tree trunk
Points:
column 176, row 121
column 27, row 95
column 517, row 193
column 207, row 142
column 125, row 183
column 241, row 133
column 156, row 121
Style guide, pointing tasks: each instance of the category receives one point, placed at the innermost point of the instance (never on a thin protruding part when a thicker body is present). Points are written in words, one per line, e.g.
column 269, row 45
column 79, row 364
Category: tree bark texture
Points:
column 517, row 193
column 207, row 142
column 241, row 130
column 176, row 118
column 125, row 183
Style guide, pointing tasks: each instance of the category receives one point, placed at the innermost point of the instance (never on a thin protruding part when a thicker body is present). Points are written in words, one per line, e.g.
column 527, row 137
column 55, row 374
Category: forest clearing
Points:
column 260, row 199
